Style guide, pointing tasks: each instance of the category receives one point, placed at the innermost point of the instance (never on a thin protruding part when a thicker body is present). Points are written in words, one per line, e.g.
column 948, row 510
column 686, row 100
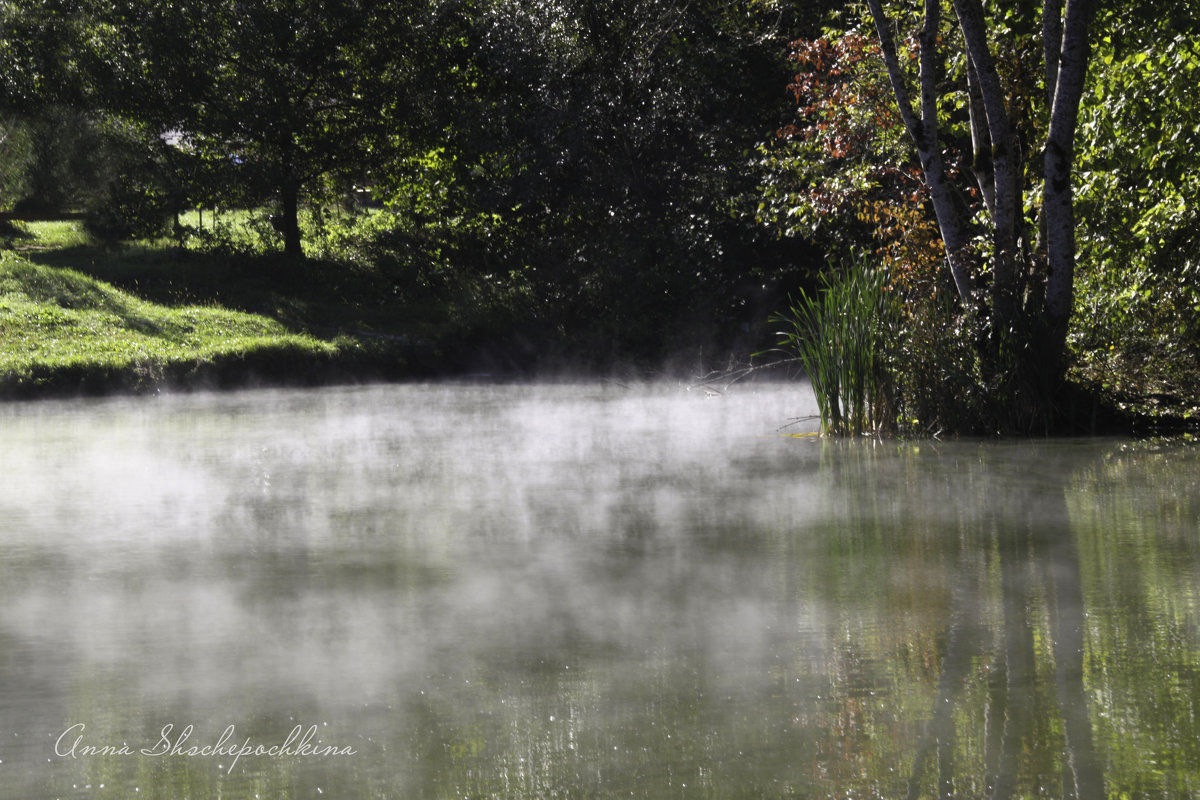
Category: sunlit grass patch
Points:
column 239, row 228
column 186, row 309
column 58, row 325
column 52, row 234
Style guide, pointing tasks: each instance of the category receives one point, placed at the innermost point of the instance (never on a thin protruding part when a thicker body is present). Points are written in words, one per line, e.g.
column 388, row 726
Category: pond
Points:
column 584, row 590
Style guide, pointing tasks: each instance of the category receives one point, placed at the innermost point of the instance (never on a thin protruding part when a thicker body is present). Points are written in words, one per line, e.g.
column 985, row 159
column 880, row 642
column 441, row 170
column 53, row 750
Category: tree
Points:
column 37, row 43
column 56, row 152
column 289, row 90
column 1138, row 316
column 15, row 154
column 39, row 40
column 607, row 140
column 1021, row 285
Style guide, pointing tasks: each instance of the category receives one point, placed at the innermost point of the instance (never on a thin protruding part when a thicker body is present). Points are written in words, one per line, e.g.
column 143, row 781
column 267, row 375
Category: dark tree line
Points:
column 594, row 154
column 590, row 176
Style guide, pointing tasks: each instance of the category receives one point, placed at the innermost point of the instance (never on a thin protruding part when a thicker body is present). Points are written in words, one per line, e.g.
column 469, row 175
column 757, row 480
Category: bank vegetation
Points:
column 995, row 208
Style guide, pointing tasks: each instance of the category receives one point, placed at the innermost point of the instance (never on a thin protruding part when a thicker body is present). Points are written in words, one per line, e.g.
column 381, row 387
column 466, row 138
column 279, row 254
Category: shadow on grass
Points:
column 401, row 305
column 11, row 234
column 318, row 297
column 381, row 332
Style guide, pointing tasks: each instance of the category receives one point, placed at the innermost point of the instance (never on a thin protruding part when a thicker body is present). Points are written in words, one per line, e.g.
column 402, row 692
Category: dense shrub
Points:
column 130, row 209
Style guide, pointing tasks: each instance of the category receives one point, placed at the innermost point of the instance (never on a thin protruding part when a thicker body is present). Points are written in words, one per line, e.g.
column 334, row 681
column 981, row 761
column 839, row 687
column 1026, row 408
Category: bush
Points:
column 936, row 368
column 130, row 209
column 887, row 361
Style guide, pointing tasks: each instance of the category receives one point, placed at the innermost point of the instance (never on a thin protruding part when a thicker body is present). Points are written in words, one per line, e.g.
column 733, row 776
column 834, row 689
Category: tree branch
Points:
column 981, row 142
column 887, row 45
column 924, row 132
column 1051, row 43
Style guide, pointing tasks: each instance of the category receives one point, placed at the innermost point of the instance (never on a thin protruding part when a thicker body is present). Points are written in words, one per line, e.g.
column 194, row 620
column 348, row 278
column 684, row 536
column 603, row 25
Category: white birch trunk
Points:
column 924, row 132
column 1051, row 43
column 1057, row 198
column 981, row 143
column 1005, row 158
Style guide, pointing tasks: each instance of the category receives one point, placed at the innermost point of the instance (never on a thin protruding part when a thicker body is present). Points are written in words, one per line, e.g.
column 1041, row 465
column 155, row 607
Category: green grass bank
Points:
column 80, row 318
column 225, row 310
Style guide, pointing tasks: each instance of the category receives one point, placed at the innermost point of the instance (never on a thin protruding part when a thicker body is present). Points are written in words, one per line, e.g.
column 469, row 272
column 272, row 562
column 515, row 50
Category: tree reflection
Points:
column 973, row 599
column 962, row 643
column 1055, row 556
column 1034, row 550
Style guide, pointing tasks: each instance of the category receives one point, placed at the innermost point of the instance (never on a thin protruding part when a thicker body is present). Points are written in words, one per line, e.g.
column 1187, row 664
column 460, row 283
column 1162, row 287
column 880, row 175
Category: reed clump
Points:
column 841, row 336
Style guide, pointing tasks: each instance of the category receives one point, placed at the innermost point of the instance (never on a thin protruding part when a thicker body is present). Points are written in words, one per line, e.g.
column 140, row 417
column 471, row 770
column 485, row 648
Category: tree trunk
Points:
column 289, row 196
column 1005, row 158
column 1022, row 342
column 1058, row 198
column 924, row 132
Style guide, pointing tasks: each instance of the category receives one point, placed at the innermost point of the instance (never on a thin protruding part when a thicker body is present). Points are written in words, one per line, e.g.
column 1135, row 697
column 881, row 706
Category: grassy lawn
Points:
column 78, row 317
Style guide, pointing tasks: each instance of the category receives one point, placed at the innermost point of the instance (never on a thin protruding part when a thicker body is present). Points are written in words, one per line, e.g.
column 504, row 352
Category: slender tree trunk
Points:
column 1058, row 198
column 924, row 132
column 1005, row 158
column 981, row 142
column 1051, row 43
column 289, row 199
column 289, row 196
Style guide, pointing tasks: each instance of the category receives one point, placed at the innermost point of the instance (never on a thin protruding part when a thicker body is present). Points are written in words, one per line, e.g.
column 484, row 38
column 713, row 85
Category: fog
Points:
column 344, row 546
column 577, row 590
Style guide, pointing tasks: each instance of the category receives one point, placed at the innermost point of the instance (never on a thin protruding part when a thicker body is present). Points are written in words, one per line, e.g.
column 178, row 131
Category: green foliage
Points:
column 15, row 153
column 845, row 150
column 130, row 210
column 599, row 147
column 65, row 161
column 139, row 198
column 43, row 53
column 237, row 233
column 841, row 336
column 1137, row 321
column 939, row 385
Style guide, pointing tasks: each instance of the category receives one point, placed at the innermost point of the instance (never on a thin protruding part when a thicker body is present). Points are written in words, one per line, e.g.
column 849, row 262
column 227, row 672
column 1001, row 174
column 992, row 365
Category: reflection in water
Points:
column 587, row 591
column 1031, row 540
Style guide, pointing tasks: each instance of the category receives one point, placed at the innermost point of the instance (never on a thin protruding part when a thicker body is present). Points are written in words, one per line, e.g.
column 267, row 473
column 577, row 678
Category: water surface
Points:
column 583, row 591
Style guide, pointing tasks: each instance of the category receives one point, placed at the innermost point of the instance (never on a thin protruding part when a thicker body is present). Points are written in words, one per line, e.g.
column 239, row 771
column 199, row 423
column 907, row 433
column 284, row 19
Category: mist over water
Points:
column 570, row 590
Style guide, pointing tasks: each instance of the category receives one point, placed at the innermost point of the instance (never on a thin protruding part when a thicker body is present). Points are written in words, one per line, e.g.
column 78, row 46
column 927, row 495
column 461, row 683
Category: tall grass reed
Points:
column 841, row 337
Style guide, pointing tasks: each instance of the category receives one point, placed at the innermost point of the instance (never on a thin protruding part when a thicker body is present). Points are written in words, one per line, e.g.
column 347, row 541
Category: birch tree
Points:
column 1018, row 276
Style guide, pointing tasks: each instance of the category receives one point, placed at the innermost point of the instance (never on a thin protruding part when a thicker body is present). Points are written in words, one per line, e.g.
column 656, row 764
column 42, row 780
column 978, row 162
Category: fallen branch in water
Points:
column 731, row 376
